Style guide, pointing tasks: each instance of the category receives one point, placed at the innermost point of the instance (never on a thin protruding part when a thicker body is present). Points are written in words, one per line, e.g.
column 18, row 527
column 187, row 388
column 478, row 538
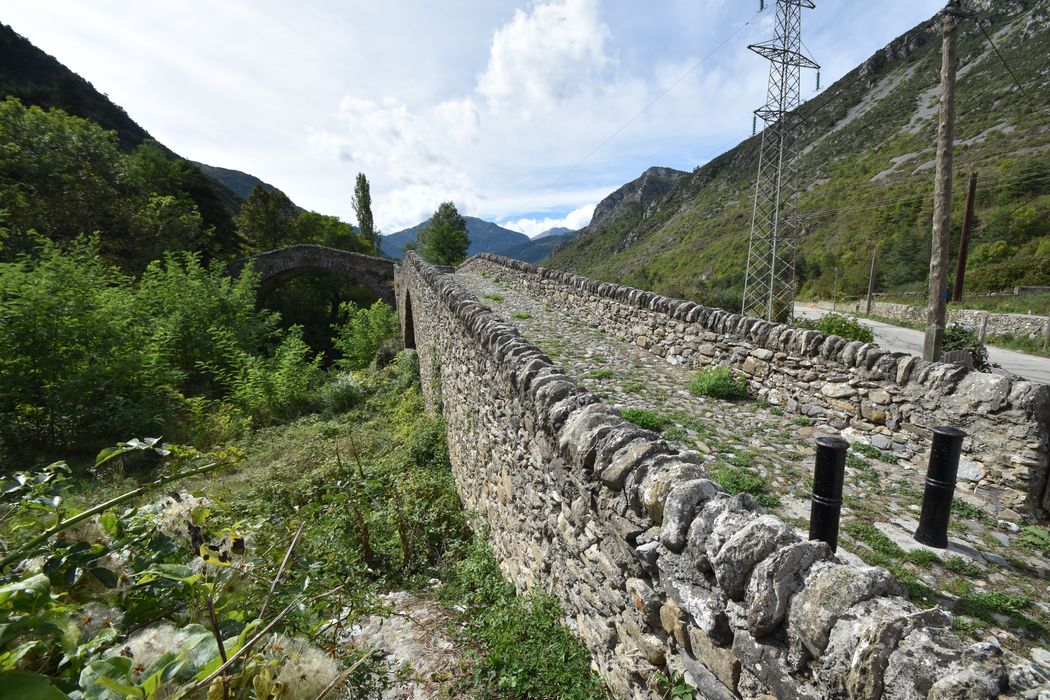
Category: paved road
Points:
column 897, row 339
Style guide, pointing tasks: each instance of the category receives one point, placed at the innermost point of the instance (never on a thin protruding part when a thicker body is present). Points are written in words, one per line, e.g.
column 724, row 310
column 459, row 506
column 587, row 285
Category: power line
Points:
column 652, row 102
column 1009, row 69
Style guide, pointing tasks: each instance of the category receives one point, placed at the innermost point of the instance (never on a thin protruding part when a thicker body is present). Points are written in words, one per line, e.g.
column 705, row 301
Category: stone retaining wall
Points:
column 888, row 399
column 1019, row 325
column 657, row 568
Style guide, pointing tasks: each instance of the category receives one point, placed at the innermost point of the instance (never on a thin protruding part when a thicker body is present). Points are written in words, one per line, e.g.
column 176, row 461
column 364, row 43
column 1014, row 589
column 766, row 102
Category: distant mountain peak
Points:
column 641, row 192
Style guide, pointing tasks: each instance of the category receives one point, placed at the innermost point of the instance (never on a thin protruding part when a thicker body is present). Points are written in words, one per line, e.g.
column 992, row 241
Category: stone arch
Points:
column 408, row 328
column 278, row 266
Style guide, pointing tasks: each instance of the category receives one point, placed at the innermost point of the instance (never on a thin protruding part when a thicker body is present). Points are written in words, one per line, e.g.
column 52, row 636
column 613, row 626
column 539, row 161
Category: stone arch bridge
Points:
column 278, row 266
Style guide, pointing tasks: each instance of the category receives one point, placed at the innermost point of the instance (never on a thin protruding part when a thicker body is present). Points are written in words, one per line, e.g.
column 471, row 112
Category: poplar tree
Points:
column 362, row 201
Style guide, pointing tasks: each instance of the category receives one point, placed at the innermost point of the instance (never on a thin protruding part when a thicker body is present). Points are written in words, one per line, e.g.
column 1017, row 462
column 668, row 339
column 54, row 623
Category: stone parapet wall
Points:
column 1019, row 325
column 888, row 399
column 656, row 567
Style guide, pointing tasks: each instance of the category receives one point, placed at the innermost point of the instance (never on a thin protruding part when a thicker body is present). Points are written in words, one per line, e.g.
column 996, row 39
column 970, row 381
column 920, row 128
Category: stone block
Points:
column 775, row 580
column 660, row 480
column 733, row 563
column 721, row 662
column 680, row 509
column 828, row 592
column 625, row 460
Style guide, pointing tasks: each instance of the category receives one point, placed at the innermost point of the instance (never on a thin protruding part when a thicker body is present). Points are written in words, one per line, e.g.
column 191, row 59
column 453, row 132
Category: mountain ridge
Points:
column 871, row 139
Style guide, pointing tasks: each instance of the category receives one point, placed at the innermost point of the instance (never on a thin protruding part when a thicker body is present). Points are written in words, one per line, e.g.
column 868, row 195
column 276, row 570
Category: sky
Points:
column 522, row 112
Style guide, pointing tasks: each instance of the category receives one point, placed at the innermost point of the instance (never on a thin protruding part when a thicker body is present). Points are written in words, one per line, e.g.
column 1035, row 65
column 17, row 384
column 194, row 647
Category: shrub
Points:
column 360, row 337
column 957, row 337
column 719, row 382
column 842, row 326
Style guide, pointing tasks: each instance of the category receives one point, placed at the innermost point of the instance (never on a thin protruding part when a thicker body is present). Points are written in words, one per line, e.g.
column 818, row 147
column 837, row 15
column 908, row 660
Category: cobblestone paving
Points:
column 994, row 574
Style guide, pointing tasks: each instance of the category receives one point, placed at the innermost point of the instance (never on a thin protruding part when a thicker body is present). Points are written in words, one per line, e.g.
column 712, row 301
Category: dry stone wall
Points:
column 656, row 567
column 888, row 399
column 1019, row 325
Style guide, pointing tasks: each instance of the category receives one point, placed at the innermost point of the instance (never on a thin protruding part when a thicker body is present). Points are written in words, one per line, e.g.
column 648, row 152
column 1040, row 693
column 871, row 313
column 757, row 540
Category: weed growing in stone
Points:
column 493, row 297
column 522, row 315
column 803, row 421
column 645, row 419
column 873, row 452
column 736, row 480
column 963, row 509
column 961, row 565
column 1035, row 538
column 600, row 373
column 719, row 382
column 633, row 387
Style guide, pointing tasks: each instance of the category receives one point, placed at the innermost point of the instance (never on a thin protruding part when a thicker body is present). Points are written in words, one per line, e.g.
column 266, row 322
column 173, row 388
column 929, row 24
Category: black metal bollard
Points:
column 827, row 490
column 940, row 487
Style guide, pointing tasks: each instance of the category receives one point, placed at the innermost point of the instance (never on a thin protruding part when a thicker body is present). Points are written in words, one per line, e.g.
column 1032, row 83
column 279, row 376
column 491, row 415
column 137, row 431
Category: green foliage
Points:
column 600, row 373
column 518, row 646
column 62, row 176
column 86, row 351
column 719, row 382
column 842, row 326
column 961, row 565
column 362, row 203
column 364, row 331
column 521, row 315
column 444, row 241
column 873, row 452
column 645, row 419
column 958, row 337
column 493, row 297
column 873, row 537
column 266, row 219
column 739, row 479
column 1036, row 538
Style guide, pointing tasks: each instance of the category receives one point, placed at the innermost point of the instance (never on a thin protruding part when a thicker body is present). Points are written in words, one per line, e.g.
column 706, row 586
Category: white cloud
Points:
column 554, row 51
column 516, row 110
column 575, row 219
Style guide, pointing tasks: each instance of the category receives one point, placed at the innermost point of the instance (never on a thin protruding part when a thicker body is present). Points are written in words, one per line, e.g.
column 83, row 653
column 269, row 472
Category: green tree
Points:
column 311, row 227
column 445, row 241
column 267, row 219
column 362, row 201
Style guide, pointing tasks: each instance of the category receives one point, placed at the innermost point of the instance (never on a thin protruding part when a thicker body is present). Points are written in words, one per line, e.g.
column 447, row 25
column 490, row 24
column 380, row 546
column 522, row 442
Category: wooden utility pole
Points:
column 942, row 191
column 871, row 279
column 964, row 244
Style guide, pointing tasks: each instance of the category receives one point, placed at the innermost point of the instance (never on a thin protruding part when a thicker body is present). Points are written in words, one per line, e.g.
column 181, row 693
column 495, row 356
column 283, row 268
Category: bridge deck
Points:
column 746, row 435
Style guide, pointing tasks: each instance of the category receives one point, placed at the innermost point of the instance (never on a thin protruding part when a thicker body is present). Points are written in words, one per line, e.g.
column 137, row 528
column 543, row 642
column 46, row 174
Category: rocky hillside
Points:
column 867, row 178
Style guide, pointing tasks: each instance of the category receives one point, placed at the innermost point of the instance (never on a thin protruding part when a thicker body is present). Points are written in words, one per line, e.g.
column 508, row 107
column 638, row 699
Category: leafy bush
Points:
column 719, row 382
column 842, row 326
column 363, row 333
column 957, row 337
column 87, row 352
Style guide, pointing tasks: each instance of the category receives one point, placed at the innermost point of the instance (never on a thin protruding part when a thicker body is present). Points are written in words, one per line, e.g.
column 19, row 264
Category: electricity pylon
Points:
column 769, row 284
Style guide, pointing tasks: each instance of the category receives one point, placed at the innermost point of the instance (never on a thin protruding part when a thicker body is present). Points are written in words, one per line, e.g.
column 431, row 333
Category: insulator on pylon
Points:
column 818, row 80
column 754, row 124
column 761, row 5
